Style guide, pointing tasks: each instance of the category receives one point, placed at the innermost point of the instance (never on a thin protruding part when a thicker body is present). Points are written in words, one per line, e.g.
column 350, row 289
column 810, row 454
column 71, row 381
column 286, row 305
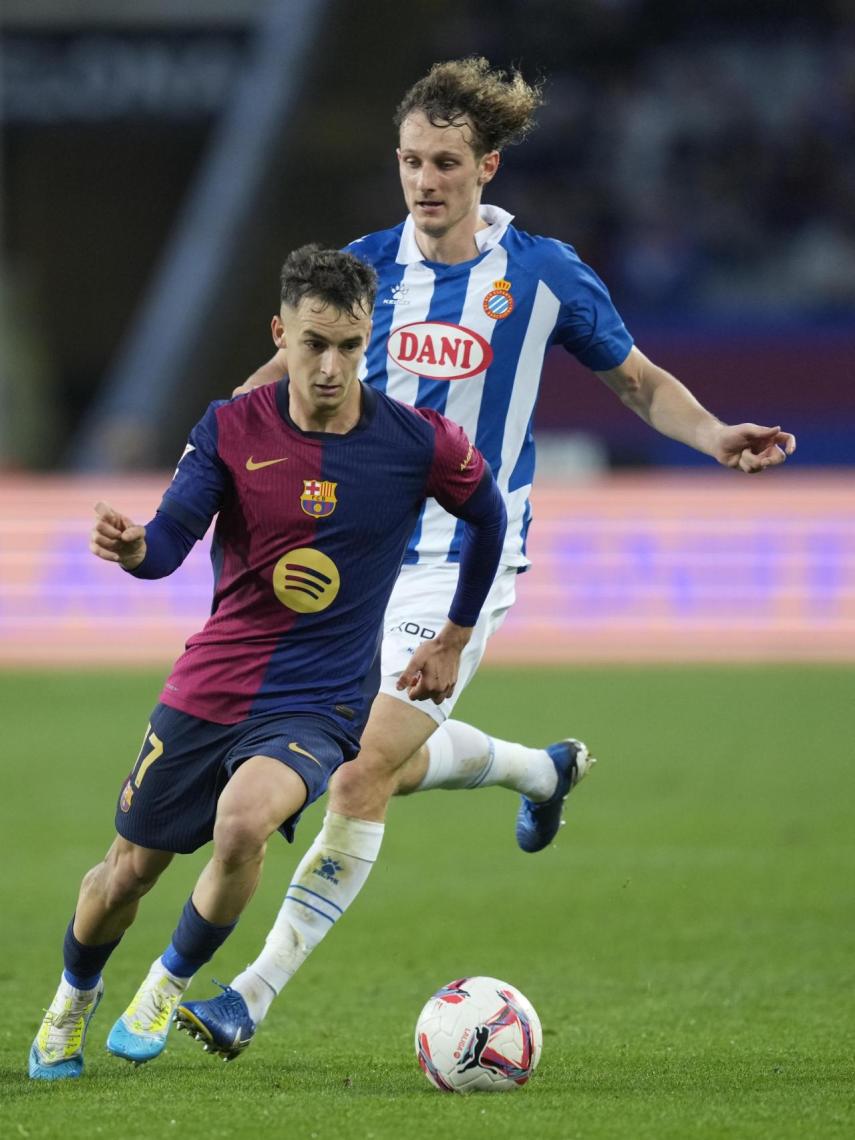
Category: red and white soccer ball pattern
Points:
column 478, row 1034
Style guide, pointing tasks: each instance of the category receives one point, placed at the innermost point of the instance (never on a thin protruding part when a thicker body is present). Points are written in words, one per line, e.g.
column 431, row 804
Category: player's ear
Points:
column 489, row 164
column 277, row 330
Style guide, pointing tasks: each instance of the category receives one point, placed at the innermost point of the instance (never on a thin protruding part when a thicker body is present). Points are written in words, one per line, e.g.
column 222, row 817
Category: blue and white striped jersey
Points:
column 469, row 341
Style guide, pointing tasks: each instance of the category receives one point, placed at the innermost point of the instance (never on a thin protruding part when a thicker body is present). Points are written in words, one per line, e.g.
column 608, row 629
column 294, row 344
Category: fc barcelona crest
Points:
column 127, row 795
column 318, row 498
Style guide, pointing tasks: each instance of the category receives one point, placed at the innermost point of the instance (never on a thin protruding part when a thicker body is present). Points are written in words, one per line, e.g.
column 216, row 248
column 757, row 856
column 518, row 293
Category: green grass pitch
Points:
column 689, row 942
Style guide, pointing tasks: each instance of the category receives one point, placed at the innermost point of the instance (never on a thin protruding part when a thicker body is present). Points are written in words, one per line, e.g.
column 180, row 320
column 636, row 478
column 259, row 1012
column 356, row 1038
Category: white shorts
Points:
column 417, row 611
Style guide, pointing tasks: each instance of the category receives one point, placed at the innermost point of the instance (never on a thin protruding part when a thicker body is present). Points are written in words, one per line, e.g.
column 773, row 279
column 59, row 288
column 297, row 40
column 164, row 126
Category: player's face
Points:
column 441, row 176
column 324, row 348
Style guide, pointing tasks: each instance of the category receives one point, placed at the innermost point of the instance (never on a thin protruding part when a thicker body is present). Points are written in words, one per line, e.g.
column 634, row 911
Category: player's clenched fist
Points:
column 116, row 538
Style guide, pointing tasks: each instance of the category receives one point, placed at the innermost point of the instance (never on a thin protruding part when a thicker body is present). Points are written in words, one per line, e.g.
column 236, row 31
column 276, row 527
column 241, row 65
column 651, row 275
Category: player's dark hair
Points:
column 499, row 105
column 338, row 279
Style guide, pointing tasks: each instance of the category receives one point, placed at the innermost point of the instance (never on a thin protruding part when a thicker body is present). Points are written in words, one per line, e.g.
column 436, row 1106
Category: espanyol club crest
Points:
column 318, row 498
column 439, row 350
column 499, row 303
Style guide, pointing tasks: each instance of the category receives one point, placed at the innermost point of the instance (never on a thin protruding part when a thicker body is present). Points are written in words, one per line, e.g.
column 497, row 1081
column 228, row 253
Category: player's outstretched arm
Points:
column 669, row 407
column 268, row 373
column 116, row 538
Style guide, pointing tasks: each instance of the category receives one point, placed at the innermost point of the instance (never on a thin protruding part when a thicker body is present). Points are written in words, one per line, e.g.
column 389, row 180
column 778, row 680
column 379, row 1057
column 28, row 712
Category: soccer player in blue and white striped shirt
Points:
column 467, row 307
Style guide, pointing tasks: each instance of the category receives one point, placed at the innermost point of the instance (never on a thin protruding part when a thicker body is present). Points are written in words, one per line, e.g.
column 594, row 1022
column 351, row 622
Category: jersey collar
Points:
column 369, row 407
column 497, row 221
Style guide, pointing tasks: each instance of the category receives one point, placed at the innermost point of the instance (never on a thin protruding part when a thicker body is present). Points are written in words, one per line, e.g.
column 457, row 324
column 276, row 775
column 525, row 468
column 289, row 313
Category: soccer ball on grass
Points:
column 478, row 1034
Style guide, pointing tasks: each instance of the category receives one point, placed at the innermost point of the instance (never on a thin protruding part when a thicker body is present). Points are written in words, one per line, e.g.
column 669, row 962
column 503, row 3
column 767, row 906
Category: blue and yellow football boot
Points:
column 140, row 1033
column 57, row 1052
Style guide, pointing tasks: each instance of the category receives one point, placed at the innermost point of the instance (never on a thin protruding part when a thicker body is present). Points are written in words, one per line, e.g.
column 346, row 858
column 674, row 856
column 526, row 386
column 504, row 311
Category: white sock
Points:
column 330, row 876
column 460, row 756
column 257, row 994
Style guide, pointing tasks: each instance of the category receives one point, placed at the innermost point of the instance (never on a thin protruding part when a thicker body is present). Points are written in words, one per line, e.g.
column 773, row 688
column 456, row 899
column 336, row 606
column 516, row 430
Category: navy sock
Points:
column 194, row 942
column 83, row 964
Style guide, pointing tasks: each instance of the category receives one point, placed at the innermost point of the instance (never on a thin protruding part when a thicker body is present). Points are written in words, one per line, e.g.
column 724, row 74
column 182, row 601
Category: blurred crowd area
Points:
column 700, row 155
column 715, row 175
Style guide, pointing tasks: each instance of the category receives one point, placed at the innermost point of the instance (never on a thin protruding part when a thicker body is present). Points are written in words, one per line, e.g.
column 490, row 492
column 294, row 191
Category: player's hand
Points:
column 116, row 538
column 753, row 448
column 251, row 382
column 271, row 372
column 431, row 672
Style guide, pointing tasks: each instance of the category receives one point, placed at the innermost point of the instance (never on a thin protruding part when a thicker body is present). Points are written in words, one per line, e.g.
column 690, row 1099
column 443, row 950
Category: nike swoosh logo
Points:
column 302, row 751
column 251, row 465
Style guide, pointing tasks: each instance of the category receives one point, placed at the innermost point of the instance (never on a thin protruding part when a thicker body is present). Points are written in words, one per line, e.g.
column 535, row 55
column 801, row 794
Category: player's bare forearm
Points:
column 269, row 373
column 431, row 672
column 668, row 406
column 663, row 402
column 115, row 538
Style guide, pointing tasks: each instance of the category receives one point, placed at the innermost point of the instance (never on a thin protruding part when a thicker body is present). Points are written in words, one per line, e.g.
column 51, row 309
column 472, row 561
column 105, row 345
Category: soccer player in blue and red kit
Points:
column 316, row 483
column 467, row 307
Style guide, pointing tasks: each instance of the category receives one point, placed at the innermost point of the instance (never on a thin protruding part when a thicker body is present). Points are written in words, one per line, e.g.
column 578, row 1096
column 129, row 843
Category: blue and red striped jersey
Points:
column 469, row 340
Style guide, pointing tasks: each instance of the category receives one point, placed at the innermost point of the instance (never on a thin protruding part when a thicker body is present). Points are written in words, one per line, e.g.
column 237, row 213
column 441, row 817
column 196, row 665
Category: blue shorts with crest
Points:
column 169, row 800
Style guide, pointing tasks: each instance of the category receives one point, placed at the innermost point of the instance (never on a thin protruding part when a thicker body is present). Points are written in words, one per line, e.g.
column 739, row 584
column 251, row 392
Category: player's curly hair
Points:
column 338, row 279
column 499, row 105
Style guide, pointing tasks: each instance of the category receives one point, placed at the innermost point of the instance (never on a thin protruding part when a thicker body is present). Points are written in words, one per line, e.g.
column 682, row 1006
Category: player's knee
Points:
column 239, row 838
column 362, row 789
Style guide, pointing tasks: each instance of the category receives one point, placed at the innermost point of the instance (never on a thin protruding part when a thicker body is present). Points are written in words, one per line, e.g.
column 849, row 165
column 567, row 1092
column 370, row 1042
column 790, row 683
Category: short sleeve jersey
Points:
column 469, row 340
column 310, row 534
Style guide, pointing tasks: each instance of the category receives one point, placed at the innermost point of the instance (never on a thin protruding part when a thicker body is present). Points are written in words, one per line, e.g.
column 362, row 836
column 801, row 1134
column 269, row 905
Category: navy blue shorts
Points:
column 169, row 800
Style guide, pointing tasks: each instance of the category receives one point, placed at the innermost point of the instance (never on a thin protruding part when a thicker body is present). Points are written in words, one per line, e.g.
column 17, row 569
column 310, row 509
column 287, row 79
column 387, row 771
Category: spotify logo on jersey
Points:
column 305, row 580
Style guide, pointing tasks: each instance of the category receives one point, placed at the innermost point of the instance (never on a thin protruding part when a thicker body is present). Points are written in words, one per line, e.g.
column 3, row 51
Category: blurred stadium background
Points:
column 159, row 160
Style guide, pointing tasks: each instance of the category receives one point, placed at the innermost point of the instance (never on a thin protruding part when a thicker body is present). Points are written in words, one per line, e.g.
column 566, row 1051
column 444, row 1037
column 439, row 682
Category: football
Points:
column 478, row 1034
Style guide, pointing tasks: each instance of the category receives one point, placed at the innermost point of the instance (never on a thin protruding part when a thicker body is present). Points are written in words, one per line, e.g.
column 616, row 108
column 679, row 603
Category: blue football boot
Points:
column 222, row 1023
column 538, row 823
column 57, row 1052
column 140, row 1033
